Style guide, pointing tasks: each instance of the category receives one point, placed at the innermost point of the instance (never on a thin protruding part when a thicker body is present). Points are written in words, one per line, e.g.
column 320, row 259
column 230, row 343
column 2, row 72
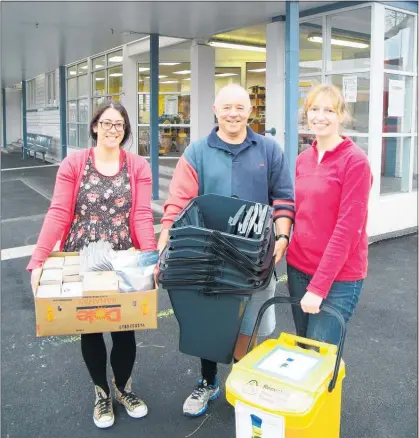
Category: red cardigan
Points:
column 330, row 240
column 60, row 214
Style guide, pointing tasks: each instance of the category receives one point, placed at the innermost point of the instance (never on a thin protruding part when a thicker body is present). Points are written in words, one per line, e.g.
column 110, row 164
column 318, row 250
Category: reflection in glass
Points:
column 96, row 102
column 399, row 41
column 72, row 88
column 398, row 92
column 362, row 142
column 351, row 40
column 83, row 88
column 311, row 46
column 72, row 135
column 71, row 71
column 304, row 86
column 395, row 165
column 415, row 164
column 83, row 136
column 72, row 111
column 83, row 111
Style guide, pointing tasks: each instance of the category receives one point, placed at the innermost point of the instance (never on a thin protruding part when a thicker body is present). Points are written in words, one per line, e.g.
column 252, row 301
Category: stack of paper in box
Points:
column 60, row 278
column 100, row 282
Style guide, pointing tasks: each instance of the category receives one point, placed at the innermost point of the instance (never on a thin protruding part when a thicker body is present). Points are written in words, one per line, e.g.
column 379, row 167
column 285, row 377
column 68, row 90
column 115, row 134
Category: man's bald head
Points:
column 230, row 94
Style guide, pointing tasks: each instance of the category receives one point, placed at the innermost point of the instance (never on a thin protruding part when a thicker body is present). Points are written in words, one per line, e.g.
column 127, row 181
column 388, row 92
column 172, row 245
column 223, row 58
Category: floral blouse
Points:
column 102, row 210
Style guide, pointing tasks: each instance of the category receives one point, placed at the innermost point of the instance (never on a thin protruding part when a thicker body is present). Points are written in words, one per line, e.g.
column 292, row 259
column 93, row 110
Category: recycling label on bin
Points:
column 255, row 423
column 288, row 364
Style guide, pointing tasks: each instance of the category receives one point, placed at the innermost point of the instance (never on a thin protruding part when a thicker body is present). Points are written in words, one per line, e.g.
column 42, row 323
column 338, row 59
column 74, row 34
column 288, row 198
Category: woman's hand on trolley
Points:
column 311, row 302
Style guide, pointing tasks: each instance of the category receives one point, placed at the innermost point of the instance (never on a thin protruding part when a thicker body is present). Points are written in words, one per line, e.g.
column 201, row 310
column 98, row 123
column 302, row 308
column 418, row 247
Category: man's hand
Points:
column 35, row 277
column 280, row 247
column 311, row 302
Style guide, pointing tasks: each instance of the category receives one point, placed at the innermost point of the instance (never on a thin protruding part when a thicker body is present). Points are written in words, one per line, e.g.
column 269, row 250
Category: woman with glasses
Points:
column 102, row 193
column 328, row 254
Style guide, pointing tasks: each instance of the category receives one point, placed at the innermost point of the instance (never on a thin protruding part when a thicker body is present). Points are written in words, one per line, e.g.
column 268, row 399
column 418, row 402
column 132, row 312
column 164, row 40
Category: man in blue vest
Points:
column 233, row 161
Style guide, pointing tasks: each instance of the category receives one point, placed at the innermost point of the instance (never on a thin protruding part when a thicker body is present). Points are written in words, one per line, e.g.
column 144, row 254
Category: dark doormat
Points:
column 15, row 160
column 19, row 200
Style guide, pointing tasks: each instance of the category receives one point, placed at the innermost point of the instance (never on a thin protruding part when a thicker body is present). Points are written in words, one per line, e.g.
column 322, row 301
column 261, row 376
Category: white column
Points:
column 275, row 79
column 202, row 90
column 129, row 96
column 376, row 96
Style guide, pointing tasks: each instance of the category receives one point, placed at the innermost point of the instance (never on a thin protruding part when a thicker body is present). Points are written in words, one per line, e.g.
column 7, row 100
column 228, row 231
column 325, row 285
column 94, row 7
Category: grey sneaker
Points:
column 197, row 403
column 134, row 406
column 103, row 412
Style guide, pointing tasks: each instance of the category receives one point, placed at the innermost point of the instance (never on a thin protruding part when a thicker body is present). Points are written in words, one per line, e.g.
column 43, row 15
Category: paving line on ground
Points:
column 26, row 251
column 29, row 167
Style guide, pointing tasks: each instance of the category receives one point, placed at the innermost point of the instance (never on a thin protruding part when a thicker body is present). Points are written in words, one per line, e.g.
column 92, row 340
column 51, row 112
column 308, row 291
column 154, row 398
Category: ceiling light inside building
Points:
column 257, row 70
column 169, row 63
column 225, row 75
column 339, row 42
column 100, row 79
column 160, row 77
column 116, row 59
column 182, row 72
column 115, row 75
column 237, row 46
column 98, row 65
column 169, row 82
column 186, row 79
column 143, row 69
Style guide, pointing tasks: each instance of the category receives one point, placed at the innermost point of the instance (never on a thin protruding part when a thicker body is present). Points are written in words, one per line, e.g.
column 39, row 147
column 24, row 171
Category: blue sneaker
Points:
column 197, row 403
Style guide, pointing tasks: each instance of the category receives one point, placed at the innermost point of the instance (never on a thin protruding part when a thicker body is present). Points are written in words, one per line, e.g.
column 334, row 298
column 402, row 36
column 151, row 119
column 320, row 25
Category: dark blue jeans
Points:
column 322, row 326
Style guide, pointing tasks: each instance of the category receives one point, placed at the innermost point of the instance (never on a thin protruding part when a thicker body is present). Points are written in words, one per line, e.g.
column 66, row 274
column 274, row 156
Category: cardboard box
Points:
column 111, row 312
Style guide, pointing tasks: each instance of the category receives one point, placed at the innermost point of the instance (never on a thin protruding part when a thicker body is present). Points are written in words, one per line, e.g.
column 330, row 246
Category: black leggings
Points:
column 123, row 353
column 208, row 370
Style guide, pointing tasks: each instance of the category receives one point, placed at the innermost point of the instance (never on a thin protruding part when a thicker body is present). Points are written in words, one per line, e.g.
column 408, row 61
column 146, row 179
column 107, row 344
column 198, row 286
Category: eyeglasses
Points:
column 107, row 125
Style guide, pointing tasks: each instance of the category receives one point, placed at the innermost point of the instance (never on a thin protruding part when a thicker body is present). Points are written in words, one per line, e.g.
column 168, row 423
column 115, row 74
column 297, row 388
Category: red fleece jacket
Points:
column 60, row 214
column 329, row 240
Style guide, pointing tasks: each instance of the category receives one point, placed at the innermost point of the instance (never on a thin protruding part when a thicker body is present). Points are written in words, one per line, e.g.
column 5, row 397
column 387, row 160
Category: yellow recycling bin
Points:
column 282, row 390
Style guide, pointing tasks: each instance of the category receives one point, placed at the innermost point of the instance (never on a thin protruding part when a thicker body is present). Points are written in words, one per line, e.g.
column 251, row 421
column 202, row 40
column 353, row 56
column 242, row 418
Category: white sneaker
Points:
column 197, row 403
column 103, row 413
column 134, row 406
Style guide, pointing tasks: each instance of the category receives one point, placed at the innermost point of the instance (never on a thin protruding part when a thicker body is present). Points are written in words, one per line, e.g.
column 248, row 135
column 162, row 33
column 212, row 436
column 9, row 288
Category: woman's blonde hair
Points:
column 336, row 96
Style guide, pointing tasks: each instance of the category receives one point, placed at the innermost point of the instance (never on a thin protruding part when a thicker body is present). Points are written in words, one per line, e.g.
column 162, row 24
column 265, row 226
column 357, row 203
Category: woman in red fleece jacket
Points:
column 327, row 257
column 102, row 193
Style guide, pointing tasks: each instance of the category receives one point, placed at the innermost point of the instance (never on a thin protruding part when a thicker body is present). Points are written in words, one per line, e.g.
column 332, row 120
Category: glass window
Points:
column 99, row 83
column 255, row 75
column 359, row 108
column 304, row 142
column 97, row 102
column 72, row 71
column 398, row 101
column 362, row 142
column 115, row 80
column 72, row 88
column 229, row 75
column 144, row 108
column 172, row 140
column 83, row 136
column 395, row 165
column 415, row 164
column 115, row 58
column 83, row 87
column 72, row 111
column 72, row 135
column 304, row 86
column 99, row 62
column 351, row 49
column 83, row 111
column 82, row 68
column 399, row 41
column 311, row 46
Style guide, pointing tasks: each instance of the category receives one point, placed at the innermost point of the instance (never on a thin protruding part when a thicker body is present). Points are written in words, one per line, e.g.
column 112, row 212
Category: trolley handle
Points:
column 296, row 302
